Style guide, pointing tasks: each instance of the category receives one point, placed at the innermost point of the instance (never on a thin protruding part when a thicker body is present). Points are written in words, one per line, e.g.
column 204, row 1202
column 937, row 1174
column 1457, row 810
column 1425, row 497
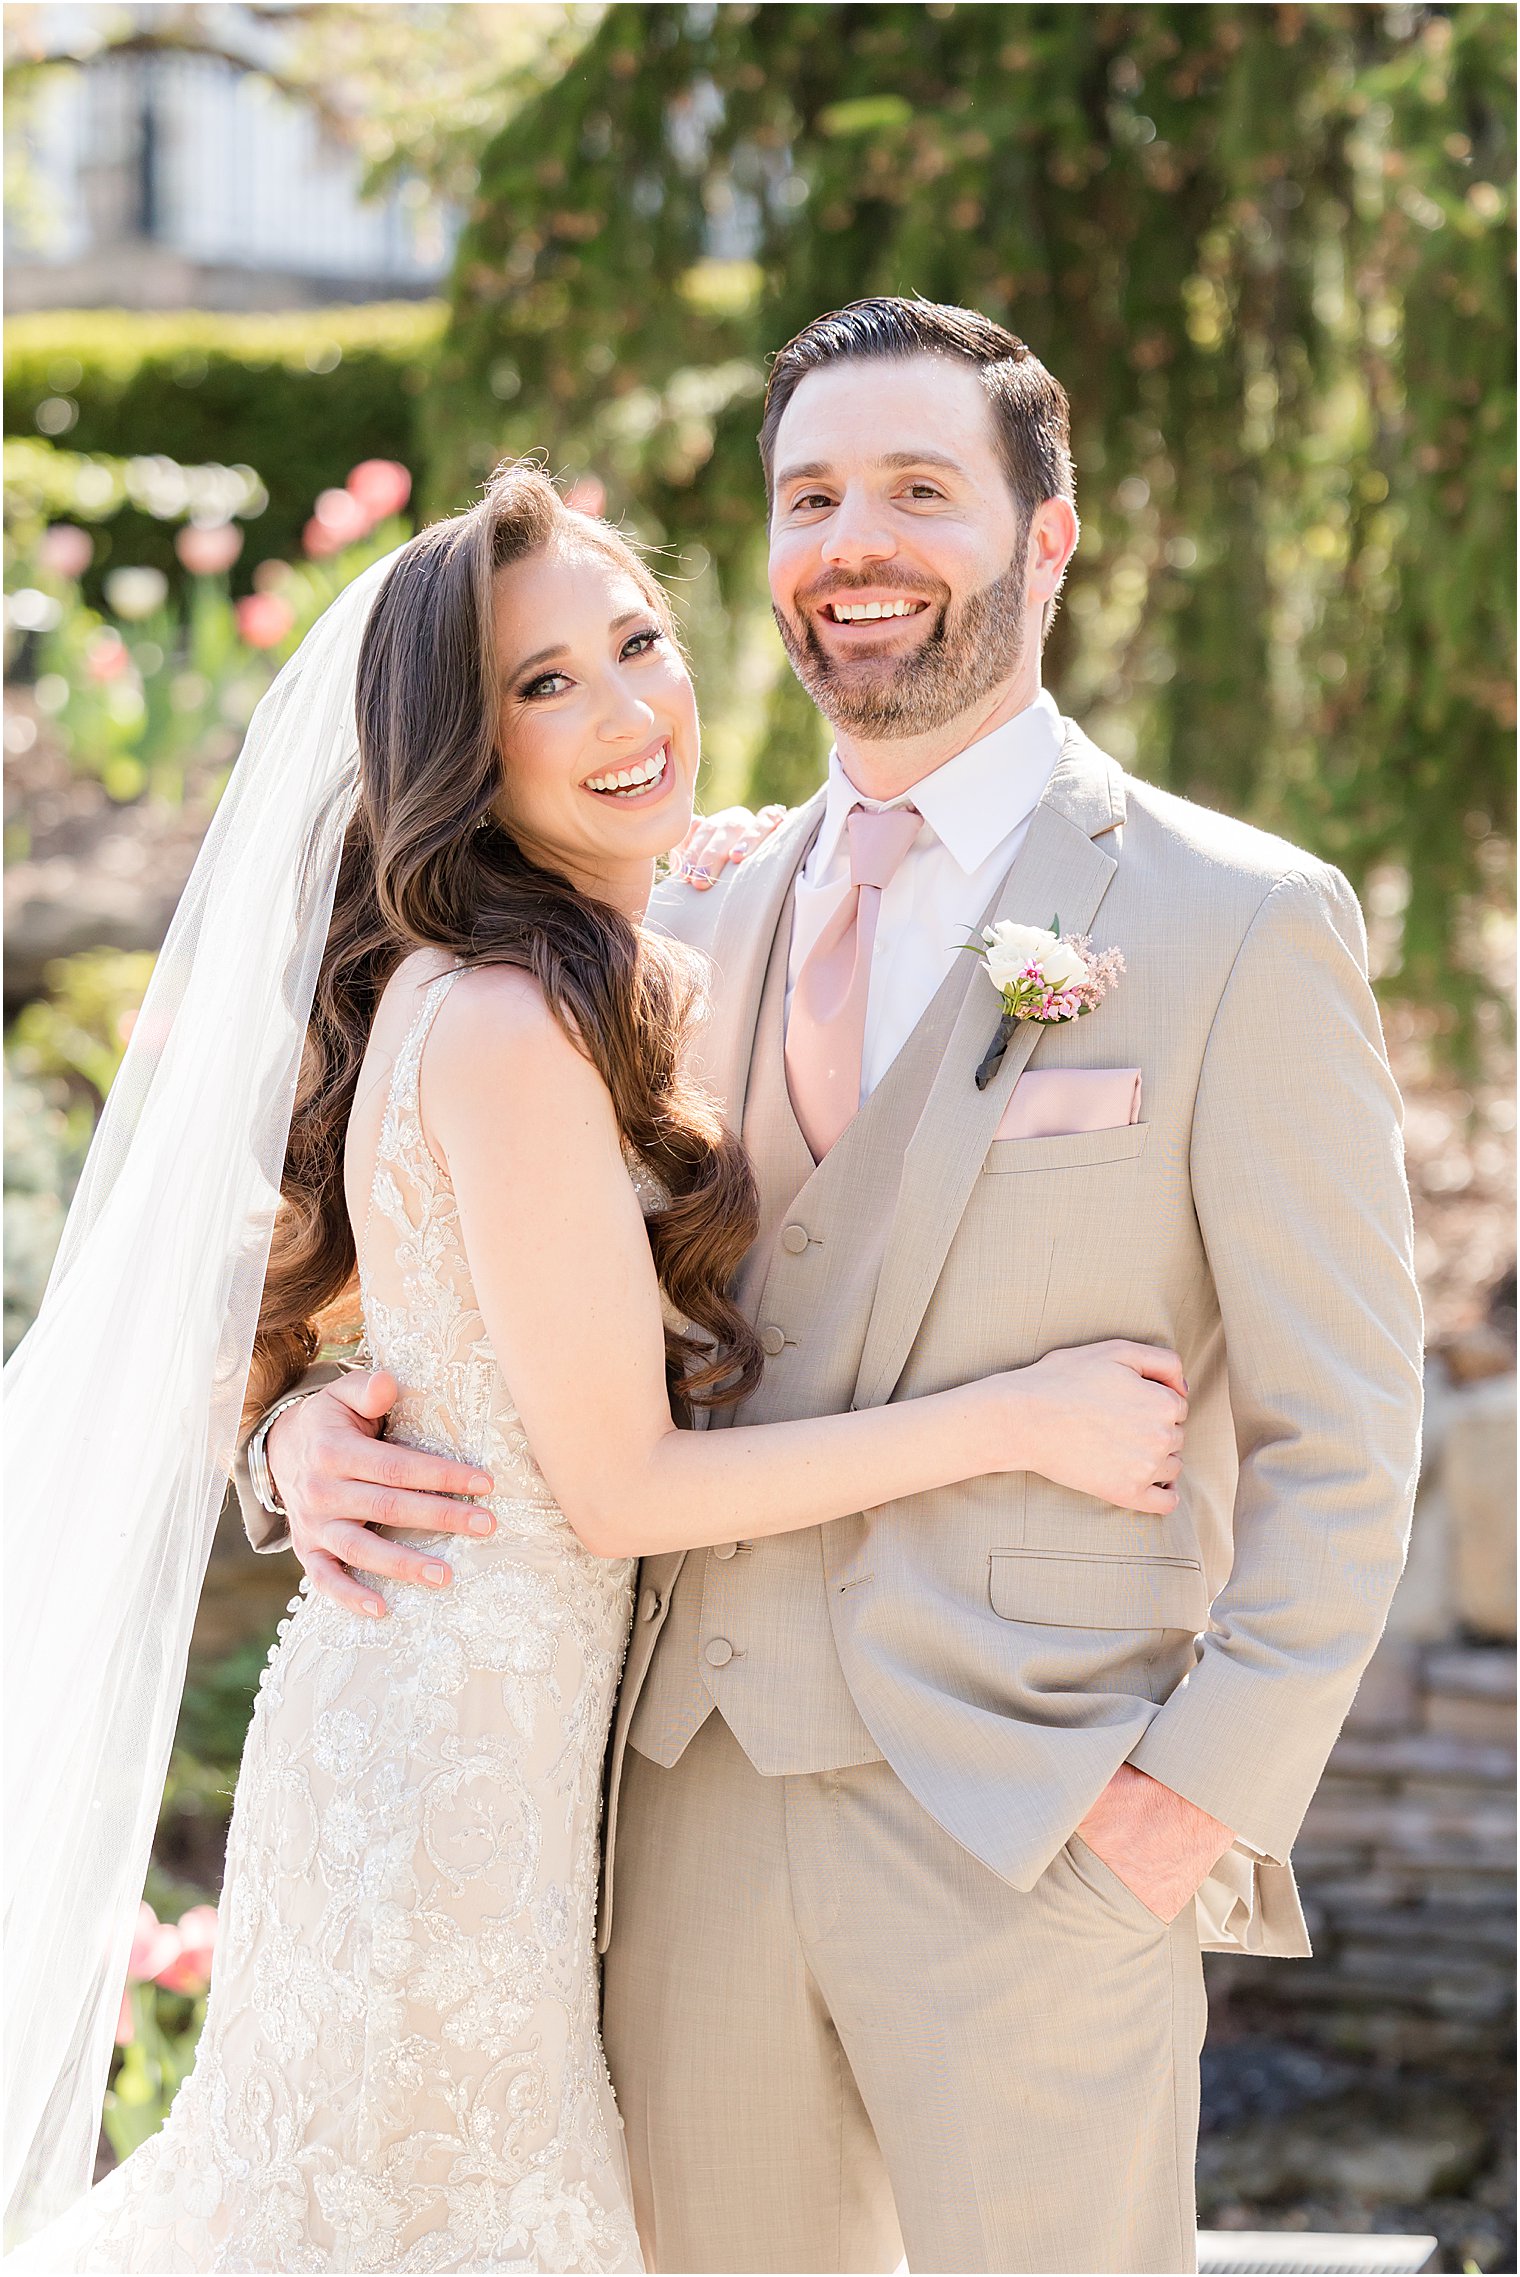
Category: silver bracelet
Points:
column 258, row 1458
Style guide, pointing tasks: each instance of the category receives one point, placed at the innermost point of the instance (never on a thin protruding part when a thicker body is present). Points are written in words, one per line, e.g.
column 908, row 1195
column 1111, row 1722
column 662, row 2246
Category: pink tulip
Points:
column 272, row 576
column 340, row 517
column 155, row 1945
column 206, row 552
column 264, row 619
column 318, row 541
column 381, row 486
column 107, row 658
column 66, row 550
column 190, row 1969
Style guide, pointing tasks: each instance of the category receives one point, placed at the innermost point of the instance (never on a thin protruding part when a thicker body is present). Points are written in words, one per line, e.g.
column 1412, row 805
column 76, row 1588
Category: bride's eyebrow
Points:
column 543, row 656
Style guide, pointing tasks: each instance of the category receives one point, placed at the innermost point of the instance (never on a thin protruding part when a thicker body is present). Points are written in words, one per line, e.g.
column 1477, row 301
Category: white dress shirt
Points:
column 976, row 811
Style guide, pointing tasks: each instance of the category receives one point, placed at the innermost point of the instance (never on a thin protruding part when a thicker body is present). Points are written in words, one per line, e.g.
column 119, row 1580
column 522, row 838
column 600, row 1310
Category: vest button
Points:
column 772, row 1340
column 794, row 1239
column 649, row 1604
column 719, row 1653
column 726, row 1550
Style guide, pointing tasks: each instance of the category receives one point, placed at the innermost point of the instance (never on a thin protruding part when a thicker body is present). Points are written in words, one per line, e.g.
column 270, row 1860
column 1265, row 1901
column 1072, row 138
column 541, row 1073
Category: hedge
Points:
column 301, row 397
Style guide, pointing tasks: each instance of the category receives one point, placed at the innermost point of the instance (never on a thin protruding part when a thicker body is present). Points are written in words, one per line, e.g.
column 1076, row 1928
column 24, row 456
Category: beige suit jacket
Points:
column 1008, row 1642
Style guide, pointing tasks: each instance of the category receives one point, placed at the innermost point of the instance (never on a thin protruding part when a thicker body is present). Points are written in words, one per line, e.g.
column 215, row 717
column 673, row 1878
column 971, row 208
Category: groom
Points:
column 917, row 1822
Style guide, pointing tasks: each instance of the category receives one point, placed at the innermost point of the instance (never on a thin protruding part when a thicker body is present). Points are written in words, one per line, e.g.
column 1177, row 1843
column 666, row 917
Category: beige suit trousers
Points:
column 835, row 2036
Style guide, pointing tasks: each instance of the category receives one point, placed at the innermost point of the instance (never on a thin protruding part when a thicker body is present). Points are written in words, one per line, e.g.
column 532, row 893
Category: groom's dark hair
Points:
column 1031, row 419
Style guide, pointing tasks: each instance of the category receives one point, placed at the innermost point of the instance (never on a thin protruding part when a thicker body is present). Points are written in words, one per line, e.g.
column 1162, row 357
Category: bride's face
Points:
column 599, row 736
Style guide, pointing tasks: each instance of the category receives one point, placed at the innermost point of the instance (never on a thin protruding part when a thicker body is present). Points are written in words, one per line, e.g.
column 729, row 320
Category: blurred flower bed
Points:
column 157, row 684
column 144, row 701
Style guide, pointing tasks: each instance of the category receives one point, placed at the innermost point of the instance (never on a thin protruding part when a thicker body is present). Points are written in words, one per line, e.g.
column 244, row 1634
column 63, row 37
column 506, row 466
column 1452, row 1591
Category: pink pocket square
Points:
column 1057, row 1102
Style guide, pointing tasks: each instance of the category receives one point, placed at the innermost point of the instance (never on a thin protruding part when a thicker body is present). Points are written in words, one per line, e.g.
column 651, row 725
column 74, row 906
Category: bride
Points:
column 414, row 994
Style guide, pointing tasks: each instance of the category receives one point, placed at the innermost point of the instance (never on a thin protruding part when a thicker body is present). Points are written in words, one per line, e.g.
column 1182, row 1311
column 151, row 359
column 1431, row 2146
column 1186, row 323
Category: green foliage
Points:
column 148, row 2071
column 301, row 397
column 218, row 1701
column 47, row 1129
column 1269, row 251
column 79, row 1030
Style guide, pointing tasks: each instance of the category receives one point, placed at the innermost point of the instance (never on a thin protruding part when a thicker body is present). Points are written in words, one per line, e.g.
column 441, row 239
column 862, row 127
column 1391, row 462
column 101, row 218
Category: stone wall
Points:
column 1407, row 1857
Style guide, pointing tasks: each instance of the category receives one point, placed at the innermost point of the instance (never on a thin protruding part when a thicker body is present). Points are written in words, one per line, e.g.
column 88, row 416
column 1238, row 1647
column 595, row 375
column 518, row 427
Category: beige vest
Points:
column 749, row 1629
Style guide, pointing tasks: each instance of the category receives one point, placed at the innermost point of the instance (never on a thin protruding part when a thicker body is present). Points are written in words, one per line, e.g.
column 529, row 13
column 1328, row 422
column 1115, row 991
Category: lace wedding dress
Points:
column 400, row 2067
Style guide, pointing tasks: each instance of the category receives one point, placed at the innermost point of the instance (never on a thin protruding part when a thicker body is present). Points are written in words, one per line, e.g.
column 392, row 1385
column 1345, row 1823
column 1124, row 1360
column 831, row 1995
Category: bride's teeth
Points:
column 629, row 779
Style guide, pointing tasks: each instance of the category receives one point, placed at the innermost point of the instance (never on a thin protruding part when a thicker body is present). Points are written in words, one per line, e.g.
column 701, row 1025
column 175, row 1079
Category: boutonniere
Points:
column 1040, row 976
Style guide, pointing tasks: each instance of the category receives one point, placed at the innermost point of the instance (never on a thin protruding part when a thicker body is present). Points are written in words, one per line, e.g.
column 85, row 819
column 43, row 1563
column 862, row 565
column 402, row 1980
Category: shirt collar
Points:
column 975, row 800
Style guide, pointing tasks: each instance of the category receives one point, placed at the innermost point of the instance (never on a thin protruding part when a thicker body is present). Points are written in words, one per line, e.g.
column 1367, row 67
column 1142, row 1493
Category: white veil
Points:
column 123, row 1402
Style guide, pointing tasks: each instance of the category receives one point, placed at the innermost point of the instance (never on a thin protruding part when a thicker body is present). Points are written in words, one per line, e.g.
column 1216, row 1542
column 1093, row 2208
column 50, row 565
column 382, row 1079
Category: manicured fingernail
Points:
column 374, row 1606
column 737, row 855
column 435, row 1573
column 482, row 1523
column 481, row 1483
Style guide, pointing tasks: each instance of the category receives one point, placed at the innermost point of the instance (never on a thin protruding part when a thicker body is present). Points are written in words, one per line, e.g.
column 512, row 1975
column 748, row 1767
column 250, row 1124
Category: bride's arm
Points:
column 566, row 1284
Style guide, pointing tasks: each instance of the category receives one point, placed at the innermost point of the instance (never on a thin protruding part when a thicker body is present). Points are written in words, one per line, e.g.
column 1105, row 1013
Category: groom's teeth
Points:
column 853, row 612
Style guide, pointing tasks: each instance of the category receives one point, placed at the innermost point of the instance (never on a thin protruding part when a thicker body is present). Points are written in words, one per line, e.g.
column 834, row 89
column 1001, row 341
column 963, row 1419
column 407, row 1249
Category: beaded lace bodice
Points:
column 401, row 2067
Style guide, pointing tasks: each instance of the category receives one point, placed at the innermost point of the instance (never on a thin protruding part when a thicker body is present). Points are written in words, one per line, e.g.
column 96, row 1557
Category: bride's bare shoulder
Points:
column 497, row 1047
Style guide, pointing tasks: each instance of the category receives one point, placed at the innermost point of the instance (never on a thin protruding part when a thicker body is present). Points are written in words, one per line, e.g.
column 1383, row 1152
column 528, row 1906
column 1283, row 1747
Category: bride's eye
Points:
column 640, row 643
column 544, row 685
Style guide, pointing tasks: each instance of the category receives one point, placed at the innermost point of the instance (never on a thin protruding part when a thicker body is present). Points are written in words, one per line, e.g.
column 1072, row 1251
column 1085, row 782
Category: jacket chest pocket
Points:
column 1077, row 1150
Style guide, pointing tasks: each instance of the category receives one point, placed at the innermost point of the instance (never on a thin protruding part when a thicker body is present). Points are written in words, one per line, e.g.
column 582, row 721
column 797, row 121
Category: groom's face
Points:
column 890, row 495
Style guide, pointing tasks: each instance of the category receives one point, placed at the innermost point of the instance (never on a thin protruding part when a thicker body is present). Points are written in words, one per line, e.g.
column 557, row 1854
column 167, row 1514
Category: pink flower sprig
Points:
column 1041, row 975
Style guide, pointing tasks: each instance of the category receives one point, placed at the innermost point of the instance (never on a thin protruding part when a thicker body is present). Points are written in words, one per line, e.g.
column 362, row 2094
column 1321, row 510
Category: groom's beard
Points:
column 971, row 649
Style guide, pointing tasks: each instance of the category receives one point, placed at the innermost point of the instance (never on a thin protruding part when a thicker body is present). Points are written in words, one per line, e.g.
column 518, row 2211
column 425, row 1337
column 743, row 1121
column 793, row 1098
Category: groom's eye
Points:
column 812, row 500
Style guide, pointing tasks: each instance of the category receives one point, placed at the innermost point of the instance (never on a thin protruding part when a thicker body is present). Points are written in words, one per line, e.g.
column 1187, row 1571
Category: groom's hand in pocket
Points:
column 342, row 1485
column 1159, row 1844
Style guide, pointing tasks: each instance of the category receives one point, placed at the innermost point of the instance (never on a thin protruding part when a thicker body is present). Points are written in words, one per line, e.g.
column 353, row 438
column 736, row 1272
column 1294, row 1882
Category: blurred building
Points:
column 178, row 174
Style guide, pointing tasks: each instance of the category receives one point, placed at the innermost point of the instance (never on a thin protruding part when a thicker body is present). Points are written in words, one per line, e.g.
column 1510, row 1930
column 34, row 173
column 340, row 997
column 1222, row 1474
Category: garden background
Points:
column 282, row 281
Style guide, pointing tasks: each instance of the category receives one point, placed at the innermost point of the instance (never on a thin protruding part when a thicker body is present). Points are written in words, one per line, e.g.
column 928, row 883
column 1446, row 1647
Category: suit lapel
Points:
column 741, row 952
column 1063, row 869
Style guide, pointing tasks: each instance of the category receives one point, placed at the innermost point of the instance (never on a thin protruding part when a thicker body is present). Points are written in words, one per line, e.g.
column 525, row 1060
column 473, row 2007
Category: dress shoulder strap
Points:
column 401, row 1138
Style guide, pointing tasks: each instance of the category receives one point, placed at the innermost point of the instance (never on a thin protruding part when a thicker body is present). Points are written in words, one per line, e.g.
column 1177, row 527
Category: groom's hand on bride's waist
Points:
column 1159, row 1844
column 341, row 1483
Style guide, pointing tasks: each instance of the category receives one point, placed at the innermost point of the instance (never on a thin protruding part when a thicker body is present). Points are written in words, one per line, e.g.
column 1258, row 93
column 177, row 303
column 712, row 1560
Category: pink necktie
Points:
column 826, row 1027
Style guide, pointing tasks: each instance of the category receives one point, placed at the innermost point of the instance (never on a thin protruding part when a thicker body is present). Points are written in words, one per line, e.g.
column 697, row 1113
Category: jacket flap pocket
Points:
column 1089, row 1590
column 1073, row 1151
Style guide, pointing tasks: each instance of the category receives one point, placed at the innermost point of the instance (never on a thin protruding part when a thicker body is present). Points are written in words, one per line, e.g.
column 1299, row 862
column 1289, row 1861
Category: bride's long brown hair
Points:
column 427, row 862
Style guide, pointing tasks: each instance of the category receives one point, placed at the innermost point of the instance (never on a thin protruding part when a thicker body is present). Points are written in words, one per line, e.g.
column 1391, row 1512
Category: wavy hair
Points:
column 427, row 862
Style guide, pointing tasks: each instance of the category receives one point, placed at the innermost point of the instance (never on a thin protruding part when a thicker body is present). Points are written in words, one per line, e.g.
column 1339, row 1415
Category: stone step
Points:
column 1420, row 1755
column 1476, row 1672
column 1233, row 2253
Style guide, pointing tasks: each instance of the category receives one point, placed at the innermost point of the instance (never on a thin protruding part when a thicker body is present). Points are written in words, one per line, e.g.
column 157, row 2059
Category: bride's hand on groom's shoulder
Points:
column 714, row 839
column 340, row 1481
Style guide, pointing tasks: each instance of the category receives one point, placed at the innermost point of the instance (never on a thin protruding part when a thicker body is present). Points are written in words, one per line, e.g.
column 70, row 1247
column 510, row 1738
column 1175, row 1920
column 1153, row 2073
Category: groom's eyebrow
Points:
column 817, row 470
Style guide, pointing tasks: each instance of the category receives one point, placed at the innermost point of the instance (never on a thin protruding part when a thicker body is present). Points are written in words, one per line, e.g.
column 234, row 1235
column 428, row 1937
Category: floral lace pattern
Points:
column 401, row 2068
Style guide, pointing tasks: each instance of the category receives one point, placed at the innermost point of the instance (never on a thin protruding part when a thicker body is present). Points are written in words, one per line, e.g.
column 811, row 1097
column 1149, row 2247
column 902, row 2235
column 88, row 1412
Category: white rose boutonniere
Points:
column 1040, row 975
